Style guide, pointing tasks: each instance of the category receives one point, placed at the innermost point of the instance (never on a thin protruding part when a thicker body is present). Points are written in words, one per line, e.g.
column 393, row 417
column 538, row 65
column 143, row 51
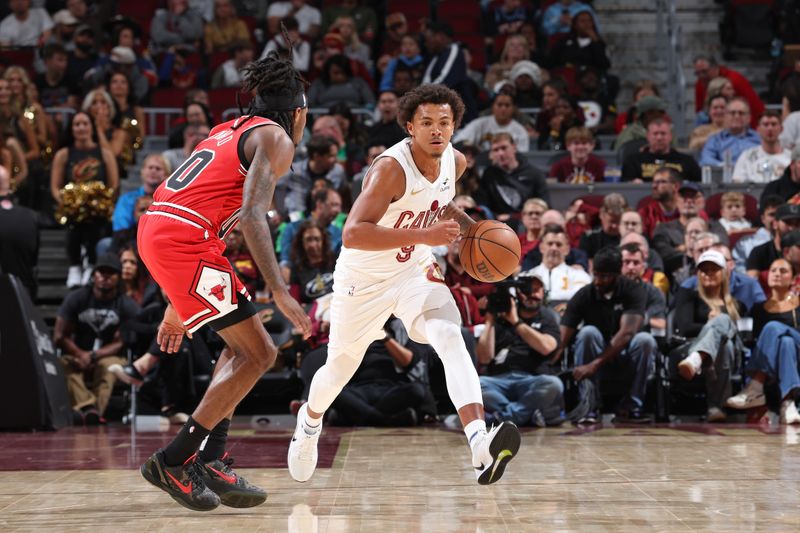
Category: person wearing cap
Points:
column 581, row 165
column 448, row 65
column 179, row 25
column 706, row 69
column 87, row 331
column 641, row 165
column 788, row 185
column 728, row 144
column 787, row 219
column 527, row 79
column 647, row 108
column 519, row 384
column 610, row 343
column 560, row 280
column 708, row 316
column 480, row 131
column 768, row 161
column 25, row 25
column 64, row 29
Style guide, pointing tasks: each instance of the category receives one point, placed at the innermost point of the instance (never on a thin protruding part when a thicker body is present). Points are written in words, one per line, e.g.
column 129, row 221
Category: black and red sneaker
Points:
column 184, row 483
column 233, row 490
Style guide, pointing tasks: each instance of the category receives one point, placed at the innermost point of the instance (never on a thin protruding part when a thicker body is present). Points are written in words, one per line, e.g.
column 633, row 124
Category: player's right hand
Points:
column 171, row 331
column 442, row 233
column 293, row 311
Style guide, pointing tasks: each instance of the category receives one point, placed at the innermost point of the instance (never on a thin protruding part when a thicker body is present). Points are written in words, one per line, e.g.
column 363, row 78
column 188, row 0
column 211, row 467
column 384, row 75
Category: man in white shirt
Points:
column 308, row 17
column 25, row 26
column 561, row 281
column 764, row 163
column 480, row 131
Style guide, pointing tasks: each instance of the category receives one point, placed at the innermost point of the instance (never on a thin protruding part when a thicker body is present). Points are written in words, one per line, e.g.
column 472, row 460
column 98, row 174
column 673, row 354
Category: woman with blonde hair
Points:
column 99, row 105
column 24, row 98
column 516, row 48
column 709, row 315
column 716, row 87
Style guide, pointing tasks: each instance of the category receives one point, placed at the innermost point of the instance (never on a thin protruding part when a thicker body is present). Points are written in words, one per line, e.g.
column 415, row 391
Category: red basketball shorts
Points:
column 186, row 261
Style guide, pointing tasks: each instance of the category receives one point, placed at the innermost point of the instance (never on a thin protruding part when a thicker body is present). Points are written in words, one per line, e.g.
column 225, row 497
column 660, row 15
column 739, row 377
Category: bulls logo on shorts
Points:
column 215, row 288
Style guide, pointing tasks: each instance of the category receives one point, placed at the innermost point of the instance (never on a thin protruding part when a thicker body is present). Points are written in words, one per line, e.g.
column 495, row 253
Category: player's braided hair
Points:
column 271, row 78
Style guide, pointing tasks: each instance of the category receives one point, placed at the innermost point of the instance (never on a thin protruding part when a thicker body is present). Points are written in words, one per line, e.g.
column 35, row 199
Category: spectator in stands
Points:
column 729, row 143
column 83, row 55
column 576, row 258
column 564, row 116
column 338, row 84
column 448, row 66
column 527, row 77
column 55, row 87
column 787, row 219
column 131, row 115
column 292, row 189
column 355, row 138
column 716, row 108
column 612, row 310
column 373, row 151
column 155, row 170
column 630, row 222
column 409, row 59
column 386, row 130
column 327, row 204
column 560, row 280
column 582, row 47
column 515, row 50
column 596, row 97
column 506, row 18
column 788, row 185
column 557, row 18
column 308, row 17
column 648, row 109
column 509, row 180
column 301, row 50
column 127, row 34
column 716, row 87
column 580, row 166
column 137, row 69
column 663, row 204
column 229, row 73
column 12, row 156
column 25, row 97
column 19, row 237
column 177, row 26
column 225, row 30
column 641, row 165
column 108, row 127
column 469, row 182
column 732, row 212
column 134, row 277
column 744, row 246
column 480, row 131
column 768, row 161
column 552, row 91
column 88, row 332
column 708, row 315
column 669, row 237
column 194, row 112
column 364, row 16
column 82, row 160
column 519, row 384
column 532, row 211
column 641, row 89
column 652, row 264
column 774, row 359
column 63, row 29
column 311, row 260
column 14, row 125
column 25, row 26
column 396, row 28
column 456, row 277
column 192, row 135
column 607, row 234
column 243, row 263
column 634, row 267
column 353, row 47
column 706, row 68
column 698, row 240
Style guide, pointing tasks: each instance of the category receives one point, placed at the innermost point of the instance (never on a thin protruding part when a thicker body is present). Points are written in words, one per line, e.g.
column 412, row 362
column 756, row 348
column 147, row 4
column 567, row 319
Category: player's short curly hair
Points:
column 429, row 94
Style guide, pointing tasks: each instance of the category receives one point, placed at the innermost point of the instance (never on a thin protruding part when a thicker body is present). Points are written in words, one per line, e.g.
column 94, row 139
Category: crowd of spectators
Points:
column 586, row 320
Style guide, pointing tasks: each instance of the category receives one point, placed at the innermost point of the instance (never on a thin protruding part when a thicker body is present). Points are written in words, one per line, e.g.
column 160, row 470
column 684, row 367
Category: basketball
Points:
column 490, row 251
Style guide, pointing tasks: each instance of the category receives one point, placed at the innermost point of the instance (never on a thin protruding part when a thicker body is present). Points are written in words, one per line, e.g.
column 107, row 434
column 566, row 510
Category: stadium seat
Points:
column 168, row 97
column 751, row 207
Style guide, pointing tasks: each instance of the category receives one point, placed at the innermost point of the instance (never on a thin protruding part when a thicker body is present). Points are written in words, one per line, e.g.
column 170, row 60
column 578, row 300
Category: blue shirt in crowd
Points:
column 713, row 153
column 551, row 20
column 123, row 212
column 288, row 233
column 744, row 288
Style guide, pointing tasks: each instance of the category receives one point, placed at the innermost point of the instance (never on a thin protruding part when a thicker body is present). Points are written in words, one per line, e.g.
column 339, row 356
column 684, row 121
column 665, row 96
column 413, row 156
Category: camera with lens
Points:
column 499, row 300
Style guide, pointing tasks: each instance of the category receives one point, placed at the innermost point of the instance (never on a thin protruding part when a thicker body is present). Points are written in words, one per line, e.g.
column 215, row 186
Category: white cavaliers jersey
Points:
column 420, row 206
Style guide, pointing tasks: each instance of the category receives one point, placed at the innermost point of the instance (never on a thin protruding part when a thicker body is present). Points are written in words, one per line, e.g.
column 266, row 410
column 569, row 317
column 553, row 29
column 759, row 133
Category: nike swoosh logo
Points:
column 229, row 478
column 479, row 467
column 186, row 489
column 294, row 439
column 416, row 192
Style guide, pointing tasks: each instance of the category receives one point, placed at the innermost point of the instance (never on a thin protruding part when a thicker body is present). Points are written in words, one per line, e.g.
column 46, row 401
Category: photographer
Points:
column 520, row 334
column 609, row 343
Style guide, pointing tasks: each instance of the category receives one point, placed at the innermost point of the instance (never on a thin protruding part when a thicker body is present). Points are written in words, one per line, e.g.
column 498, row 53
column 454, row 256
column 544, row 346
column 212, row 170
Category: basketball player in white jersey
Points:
column 386, row 267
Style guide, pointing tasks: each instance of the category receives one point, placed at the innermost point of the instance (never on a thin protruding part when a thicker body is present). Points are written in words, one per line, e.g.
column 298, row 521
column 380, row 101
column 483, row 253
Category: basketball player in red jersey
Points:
column 230, row 177
column 386, row 267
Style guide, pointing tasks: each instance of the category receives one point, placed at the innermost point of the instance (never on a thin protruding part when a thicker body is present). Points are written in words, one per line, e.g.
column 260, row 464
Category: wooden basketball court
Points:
column 606, row 478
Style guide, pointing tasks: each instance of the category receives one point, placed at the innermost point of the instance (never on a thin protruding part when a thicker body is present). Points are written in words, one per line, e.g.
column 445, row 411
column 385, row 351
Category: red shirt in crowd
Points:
column 652, row 214
column 741, row 87
column 565, row 171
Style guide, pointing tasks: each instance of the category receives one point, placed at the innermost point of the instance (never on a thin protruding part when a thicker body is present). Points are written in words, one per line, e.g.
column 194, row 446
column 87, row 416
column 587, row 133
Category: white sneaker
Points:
column 302, row 457
column 789, row 414
column 690, row 366
column 87, row 275
column 492, row 451
column 751, row 396
column 74, row 277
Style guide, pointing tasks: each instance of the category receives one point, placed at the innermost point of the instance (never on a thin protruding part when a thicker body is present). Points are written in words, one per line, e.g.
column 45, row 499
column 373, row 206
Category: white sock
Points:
column 310, row 425
column 695, row 359
column 473, row 429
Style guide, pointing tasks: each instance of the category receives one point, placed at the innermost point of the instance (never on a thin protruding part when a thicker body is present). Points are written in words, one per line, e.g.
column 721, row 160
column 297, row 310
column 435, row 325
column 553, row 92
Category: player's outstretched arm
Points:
column 384, row 184
column 270, row 151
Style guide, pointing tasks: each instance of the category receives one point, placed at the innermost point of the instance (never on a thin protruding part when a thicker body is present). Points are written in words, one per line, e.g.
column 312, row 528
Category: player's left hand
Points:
column 292, row 310
column 171, row 331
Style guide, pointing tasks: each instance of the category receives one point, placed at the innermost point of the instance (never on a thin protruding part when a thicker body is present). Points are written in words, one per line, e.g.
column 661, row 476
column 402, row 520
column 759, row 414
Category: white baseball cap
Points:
column 712, row 256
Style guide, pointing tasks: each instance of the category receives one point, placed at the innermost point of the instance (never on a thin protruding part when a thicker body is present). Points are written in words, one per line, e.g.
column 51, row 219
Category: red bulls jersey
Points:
column 206, row 190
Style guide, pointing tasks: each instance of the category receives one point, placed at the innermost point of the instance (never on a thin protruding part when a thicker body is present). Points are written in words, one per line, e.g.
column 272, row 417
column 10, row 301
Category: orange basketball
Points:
column 490, row 251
